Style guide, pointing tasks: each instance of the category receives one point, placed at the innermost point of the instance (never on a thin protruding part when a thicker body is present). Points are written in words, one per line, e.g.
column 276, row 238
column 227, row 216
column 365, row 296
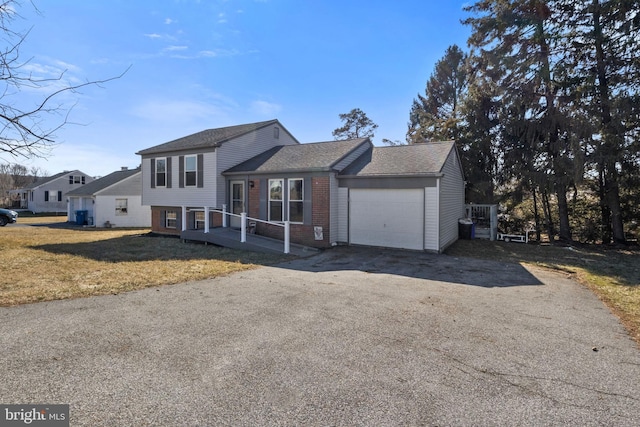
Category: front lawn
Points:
column 48, row 261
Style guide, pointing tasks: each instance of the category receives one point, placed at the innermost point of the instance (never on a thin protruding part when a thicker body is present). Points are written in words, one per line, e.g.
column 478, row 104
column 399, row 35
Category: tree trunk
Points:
column 605, row 213
column 563, row 212
column 609, row 146
column 546, row 207
column 536, row 213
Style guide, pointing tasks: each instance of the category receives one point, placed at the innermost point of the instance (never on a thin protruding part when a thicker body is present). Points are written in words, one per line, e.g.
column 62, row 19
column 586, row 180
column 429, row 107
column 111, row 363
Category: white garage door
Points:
column 388, row 218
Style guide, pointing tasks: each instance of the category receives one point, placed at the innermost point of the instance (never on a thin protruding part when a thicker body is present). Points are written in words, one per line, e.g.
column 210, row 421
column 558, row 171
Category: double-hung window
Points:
column 161, row 172
column 296, row 200
column 275, row 199
column 199, row 220
column 190, row 170
column 171, row 219
column 121, row 207
column 289, row 204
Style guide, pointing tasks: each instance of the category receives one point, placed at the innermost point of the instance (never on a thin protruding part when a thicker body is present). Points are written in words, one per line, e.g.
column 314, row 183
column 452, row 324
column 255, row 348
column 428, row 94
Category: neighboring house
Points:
column 336, row 192
column 114, row 200
column 49, row 194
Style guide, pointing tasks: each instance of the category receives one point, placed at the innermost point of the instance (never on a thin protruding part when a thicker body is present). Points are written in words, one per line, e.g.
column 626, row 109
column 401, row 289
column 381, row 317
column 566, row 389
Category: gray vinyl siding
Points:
column 238, row 150
column 451, row 200
column 343, row 215
column 176, row 196
column 334, row 218
column 431, row 219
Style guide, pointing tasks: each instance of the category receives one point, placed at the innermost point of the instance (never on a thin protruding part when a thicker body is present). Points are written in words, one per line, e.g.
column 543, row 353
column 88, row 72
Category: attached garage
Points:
column 407, row 197
column 391, row 218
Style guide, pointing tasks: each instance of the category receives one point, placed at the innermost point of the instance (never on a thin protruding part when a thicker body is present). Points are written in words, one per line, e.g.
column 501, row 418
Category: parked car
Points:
column 7, row 217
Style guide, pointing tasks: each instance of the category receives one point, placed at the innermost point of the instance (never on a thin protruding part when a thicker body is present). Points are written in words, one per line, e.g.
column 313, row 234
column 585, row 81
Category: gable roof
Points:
column 210, row 138
column 51, row 178
column 100, row 184
column 402, row 160
column 317, row 156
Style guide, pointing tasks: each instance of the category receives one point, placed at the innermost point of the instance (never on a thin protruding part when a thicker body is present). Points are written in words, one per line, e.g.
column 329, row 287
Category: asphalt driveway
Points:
column 348, row 337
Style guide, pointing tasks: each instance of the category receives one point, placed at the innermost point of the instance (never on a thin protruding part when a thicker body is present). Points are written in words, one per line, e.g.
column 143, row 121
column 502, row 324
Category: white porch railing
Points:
column 243, row 224
column 485, row 218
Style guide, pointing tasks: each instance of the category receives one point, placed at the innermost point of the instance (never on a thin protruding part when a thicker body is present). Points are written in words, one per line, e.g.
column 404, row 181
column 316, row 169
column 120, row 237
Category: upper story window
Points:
column 190, row 170
column 76, row 179
column 161, row 172
column 276, row 132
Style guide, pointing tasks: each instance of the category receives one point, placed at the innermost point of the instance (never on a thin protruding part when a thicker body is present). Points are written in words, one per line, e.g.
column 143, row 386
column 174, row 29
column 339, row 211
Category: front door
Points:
column 237, row 202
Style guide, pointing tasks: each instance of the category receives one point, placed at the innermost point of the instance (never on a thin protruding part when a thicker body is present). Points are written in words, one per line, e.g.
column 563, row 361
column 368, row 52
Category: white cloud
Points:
column 222, row 18
column 175, row 48
column 265, row 108
column 153, row 36
column 169, row 21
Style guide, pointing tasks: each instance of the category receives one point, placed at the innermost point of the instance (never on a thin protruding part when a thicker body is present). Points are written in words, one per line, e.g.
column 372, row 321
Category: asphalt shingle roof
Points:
column 46, row 179
column 315, row 156
column 102, row 183
column 209, row 138
column 404, row 160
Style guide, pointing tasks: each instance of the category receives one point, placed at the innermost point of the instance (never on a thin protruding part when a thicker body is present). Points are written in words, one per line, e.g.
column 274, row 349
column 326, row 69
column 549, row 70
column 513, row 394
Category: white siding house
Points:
column 114, row 200
column 49, row 194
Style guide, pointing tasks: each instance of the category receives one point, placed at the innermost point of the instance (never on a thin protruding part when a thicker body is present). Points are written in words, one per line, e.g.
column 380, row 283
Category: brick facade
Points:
column 303, row 234
column 158, row 224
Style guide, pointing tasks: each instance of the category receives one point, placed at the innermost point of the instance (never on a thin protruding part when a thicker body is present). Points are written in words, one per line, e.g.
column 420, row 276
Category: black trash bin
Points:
column 81, row 217
column 465, row 228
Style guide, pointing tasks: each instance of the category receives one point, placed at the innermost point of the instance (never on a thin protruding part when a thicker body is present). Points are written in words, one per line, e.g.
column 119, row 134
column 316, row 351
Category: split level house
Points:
column 331, row 193
column 115, row 200
column 49, row 194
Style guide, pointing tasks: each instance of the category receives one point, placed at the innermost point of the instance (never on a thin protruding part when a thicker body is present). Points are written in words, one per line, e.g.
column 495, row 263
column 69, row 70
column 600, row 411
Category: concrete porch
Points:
column 230, row 238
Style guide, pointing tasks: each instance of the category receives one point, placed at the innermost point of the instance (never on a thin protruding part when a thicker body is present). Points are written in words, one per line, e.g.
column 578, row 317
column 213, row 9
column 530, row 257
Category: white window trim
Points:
column 297, row 200
column 165, row 171
column 281, row 200
column 199, row 221
column 119, row 211
column 195, row 170
column 174, row 214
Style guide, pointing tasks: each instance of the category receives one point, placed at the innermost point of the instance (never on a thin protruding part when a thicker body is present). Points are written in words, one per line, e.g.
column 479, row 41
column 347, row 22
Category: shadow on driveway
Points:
column 418, row 265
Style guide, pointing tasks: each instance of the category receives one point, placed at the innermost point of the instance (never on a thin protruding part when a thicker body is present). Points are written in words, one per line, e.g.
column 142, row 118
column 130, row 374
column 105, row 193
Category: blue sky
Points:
column 204, row 64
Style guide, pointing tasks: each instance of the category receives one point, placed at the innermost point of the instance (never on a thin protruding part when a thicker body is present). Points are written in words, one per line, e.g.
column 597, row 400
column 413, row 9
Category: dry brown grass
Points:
column 613, row 274
column 42, row 263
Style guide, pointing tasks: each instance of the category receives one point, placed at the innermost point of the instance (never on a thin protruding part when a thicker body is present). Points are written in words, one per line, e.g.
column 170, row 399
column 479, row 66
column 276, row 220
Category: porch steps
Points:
column 230, row 238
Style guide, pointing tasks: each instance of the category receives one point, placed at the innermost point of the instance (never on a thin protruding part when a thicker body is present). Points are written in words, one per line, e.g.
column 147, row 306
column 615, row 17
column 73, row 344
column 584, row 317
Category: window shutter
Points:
column 153, row 173
column 46, row 195
column 59, row 196
column 181, row 171
column 168, row 172
column 163, row 219
column 200, row 170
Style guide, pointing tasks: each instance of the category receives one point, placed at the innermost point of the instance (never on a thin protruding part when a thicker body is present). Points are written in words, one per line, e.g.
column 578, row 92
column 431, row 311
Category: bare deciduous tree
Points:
column 24, row 132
